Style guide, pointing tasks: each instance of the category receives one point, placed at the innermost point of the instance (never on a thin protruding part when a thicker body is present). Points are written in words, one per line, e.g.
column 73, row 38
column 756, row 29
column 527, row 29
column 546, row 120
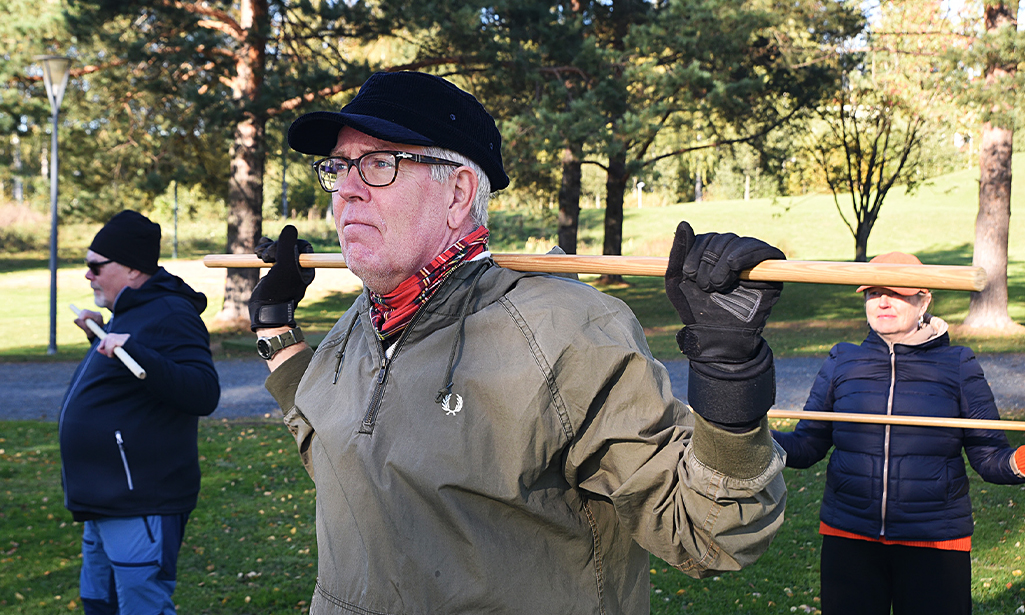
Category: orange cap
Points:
column 896, row 258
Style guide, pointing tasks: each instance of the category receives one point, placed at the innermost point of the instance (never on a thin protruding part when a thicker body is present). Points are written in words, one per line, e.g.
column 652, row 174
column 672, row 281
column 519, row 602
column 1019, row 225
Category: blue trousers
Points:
column 130, row 564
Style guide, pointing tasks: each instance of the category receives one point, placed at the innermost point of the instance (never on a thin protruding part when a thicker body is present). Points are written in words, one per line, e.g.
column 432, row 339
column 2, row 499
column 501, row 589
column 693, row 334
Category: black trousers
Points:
column 860, row 577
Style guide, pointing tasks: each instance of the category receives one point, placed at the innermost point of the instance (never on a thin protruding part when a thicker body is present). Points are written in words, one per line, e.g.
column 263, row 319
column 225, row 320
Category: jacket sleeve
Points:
column 179, row 368
column 989, row 452
column 699, row 497
column 282, row 384
column 809, row 442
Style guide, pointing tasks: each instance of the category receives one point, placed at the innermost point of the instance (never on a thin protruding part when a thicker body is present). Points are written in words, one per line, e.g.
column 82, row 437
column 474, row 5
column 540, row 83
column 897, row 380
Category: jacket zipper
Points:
column 375, row 401
column 124, row 459
column 886, row 443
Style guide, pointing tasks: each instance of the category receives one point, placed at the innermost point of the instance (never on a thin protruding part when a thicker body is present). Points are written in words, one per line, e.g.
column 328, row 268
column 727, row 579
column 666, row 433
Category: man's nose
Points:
column 351, row 184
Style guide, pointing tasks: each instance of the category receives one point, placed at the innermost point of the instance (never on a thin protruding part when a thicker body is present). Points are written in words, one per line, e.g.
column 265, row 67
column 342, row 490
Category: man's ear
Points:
column 136, row 278
column 464, row 191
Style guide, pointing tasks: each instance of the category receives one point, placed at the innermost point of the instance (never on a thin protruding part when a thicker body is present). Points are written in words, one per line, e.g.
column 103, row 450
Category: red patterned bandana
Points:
column 392, row 312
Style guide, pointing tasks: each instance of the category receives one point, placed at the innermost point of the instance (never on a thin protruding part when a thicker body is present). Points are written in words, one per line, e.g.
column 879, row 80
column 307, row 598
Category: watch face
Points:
column 263, row 348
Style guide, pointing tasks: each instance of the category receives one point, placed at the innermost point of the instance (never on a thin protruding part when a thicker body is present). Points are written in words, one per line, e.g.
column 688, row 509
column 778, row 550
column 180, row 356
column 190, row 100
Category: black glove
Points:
column 732, row 381
column 275, row 298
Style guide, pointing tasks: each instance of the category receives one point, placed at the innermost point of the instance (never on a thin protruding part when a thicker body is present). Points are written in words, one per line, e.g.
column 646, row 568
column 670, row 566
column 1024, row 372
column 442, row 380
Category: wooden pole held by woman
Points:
column 890, row 419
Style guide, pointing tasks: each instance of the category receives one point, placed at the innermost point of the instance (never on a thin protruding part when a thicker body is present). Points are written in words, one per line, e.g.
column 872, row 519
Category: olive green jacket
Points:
column 517, row 450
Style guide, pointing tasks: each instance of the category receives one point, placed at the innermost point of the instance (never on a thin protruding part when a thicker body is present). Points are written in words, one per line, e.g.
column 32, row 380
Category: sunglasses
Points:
column 96, row 266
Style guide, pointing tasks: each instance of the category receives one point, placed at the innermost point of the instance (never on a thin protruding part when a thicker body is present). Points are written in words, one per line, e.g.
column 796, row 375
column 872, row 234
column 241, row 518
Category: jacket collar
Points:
column 160, row 284
column 933, row 333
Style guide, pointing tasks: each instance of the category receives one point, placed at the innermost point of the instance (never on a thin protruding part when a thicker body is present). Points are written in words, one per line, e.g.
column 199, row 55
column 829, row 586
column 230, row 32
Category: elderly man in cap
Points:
column 485, row 440
column 130, row 463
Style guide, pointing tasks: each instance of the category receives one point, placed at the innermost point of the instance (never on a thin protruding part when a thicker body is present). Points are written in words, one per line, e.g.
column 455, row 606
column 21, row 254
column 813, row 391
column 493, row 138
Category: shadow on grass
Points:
column 15, row 264
column 316, row 318
column 37, row 353
column 319, row 316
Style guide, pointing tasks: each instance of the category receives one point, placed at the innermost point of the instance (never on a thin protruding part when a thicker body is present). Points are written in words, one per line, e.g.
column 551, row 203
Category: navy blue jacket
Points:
column 900, row 482
column 128, row 446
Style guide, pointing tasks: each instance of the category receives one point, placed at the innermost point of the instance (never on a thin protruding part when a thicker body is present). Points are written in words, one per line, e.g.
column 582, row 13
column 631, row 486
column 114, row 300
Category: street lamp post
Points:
column 56, row 70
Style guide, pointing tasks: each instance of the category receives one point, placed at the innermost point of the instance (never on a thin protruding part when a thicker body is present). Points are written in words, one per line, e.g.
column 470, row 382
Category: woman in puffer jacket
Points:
column 896, row 518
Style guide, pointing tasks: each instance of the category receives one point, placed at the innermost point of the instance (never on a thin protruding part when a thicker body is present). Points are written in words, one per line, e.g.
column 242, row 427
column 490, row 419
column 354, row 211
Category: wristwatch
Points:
column 267, row 347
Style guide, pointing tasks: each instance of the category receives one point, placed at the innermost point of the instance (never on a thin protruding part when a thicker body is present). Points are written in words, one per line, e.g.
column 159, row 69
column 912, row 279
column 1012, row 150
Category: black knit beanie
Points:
column 131, row 239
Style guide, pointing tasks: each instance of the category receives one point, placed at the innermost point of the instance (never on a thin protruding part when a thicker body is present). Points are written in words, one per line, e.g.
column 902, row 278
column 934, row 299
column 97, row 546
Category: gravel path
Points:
column 35, row 390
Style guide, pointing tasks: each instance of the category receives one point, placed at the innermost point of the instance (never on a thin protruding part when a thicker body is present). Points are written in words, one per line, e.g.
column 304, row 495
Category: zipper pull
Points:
column 384, row 368
column 338, row 364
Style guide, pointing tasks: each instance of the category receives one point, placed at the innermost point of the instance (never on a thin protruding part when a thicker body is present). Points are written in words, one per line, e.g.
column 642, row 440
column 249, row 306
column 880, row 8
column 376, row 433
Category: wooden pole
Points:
column 934, row 277
column 119, row 352
column 884, row 419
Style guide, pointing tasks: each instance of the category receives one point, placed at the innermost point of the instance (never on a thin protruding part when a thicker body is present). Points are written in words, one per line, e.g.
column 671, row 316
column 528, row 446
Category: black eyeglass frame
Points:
column 357, row 163
column 96, row 266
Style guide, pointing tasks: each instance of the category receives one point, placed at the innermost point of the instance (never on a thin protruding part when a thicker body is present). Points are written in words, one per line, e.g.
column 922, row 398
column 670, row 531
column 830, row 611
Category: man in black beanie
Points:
column 490, row 441
column 130, row 462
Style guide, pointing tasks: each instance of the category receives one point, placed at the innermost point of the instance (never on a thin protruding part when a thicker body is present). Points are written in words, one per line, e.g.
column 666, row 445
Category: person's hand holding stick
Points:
column 119, row 352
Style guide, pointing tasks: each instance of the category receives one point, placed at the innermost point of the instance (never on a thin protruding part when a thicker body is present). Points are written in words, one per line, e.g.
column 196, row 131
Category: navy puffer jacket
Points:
column 900, row 482
column 128, row 446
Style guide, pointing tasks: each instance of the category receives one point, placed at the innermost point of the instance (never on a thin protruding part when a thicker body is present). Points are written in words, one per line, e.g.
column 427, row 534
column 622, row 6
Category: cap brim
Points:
column 900, row 290
column 317, row 133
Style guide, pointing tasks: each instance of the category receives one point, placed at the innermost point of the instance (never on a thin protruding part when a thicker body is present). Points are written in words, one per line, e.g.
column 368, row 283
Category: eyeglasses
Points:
column 95, row 266
column 376, row 169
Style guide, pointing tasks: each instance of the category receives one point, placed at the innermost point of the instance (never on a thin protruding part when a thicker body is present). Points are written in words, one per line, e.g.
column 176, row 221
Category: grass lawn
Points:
column 250, row 546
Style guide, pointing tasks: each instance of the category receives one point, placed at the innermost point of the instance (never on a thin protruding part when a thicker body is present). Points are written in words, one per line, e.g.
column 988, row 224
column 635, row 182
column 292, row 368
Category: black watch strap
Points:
column 267, row 347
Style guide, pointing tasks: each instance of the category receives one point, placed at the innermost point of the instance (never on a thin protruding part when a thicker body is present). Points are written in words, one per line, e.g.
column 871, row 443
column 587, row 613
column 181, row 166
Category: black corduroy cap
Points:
column 412, row 108
column 131, row 239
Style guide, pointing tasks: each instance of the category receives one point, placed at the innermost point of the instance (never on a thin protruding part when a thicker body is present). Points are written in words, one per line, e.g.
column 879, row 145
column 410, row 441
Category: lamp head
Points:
column 56, row 70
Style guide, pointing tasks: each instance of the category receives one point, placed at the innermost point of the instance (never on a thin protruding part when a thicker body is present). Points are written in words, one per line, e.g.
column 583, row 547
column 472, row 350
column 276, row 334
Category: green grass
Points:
column 250, row 546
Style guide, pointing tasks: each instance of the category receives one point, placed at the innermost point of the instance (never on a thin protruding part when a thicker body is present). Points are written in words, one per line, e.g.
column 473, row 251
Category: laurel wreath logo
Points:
column 449, row 411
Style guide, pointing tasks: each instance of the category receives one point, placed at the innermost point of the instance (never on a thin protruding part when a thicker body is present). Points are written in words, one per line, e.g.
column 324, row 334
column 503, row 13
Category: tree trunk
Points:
column 569, row 198
column 615, row 191
column 861, row 242
column 988, row 309
column 248, row 157
column 245, row 220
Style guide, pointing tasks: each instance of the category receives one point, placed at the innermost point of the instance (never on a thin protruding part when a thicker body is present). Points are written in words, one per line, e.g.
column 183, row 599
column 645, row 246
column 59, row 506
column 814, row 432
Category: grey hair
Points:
column 440, row 172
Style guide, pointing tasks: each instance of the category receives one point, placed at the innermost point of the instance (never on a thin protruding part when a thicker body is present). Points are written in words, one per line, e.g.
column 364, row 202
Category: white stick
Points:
column 119, row 352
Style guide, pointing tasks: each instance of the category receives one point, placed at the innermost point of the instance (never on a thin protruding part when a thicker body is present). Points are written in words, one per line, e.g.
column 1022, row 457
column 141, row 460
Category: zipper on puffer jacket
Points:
column 124, row 459
column 886, row 443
